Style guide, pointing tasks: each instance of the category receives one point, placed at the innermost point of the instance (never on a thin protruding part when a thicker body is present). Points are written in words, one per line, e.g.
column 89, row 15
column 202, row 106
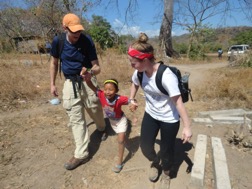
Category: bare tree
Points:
column 246, row 7
column 165, row 35
column 192, row 14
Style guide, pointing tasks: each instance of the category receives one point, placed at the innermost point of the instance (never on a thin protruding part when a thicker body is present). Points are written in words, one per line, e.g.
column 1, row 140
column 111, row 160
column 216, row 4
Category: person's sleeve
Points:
column 54, row 50
column 92, row 54
column 124, row 100
column 135, row 79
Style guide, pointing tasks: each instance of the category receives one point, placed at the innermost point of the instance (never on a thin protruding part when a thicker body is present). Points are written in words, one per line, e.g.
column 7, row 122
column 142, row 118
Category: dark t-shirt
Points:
column 75, row 56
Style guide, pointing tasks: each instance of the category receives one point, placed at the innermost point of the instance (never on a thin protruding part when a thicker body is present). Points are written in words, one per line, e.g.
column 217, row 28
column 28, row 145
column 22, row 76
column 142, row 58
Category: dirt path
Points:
column 35, row 143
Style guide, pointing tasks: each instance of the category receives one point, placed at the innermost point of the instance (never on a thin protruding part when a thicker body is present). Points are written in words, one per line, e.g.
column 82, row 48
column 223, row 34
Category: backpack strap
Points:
column 158, row 78
column 61, row 37
column 162, row 67
column 140, row 77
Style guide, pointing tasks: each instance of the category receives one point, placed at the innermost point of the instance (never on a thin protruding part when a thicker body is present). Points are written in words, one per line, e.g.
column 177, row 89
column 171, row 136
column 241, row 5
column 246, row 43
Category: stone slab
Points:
column 198, row 169
column 202, row 120
column 221, row 174
column 249, row 112
column 223, row 112
column 229, row 120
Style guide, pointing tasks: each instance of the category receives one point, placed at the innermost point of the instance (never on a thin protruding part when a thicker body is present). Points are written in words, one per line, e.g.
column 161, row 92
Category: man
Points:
column 75, row 65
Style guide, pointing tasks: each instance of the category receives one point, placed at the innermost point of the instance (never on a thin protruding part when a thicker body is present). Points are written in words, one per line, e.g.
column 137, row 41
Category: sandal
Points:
column 117, row 168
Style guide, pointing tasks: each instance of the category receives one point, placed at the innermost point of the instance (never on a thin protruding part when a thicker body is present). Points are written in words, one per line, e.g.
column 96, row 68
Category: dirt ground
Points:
column 35, row 143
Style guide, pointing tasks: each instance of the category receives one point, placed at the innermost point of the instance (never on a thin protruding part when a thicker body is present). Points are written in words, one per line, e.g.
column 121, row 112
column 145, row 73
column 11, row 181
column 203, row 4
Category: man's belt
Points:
column 75, row 79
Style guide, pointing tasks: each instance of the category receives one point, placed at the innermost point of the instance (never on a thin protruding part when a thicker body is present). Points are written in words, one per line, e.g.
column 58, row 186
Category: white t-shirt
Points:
column 159, row 105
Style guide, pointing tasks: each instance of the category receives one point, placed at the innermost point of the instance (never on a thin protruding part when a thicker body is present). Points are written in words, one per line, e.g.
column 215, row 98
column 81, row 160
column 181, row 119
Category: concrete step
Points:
column 220, row 168
column 229, row 120
column 232, row 116
column 230, row 112
column 198, row 169
column 221, row 120
column 221, row 174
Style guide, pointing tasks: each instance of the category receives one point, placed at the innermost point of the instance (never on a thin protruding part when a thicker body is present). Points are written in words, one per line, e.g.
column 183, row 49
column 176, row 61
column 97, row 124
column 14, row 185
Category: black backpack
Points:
column 183, row 81
column 81, row 46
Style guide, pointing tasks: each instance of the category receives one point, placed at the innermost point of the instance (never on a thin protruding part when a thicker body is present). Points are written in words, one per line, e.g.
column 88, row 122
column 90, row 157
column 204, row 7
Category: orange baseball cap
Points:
column 72, row 22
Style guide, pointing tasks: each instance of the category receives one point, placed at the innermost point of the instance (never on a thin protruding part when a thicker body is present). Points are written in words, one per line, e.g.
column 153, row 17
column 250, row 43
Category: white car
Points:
column 237, row 50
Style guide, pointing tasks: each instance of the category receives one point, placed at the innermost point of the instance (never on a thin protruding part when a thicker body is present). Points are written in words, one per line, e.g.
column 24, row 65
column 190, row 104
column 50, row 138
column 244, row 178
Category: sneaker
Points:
column 117, row 168
column 164, row 181
column 75, row 162
column 153, row 172
column 104, row 136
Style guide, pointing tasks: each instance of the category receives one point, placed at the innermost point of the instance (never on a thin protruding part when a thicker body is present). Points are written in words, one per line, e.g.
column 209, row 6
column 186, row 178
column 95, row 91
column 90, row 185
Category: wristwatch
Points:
column 89, row 70
column 132, row 100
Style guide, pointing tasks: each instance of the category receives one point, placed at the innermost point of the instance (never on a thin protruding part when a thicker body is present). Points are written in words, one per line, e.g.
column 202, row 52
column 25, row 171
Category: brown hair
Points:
column 142, row 45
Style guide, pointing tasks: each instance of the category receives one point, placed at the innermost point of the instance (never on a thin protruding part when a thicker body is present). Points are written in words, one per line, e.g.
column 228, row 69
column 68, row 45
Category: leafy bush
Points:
column 181, row 48
column 197, row 53
column 243, row 38
column 101, row 32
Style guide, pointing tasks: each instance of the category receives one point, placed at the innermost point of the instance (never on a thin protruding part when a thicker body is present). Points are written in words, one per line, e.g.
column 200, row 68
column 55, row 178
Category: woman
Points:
column 162, row 112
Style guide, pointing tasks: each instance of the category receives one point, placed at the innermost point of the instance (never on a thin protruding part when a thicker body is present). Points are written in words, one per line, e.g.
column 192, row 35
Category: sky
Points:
column 147, row 18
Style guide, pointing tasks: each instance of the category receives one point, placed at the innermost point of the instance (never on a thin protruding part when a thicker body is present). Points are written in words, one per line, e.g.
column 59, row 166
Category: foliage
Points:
column 243, row 38
column 213, row 46
column 197, row 52
column 199, row 39
column 181, row 48
column 101, row 32
column 210, row 39
column 5, row 45
column 122, row 43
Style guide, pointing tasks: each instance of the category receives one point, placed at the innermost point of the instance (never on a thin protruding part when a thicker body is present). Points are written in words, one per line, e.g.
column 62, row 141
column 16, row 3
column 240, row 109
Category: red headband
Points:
column 140, row 55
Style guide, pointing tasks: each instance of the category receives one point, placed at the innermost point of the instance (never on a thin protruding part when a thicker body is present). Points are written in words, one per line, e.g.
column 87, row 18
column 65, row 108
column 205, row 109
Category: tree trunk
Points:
column 165, row 35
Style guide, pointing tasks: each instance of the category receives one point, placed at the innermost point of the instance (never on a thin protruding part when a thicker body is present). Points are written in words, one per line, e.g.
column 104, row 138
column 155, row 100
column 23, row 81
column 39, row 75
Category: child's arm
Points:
column 133, row 104
column 89, row 83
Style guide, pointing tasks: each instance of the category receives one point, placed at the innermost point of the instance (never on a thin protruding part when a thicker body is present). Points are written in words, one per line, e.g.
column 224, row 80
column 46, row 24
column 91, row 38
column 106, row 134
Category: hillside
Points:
column 221, row 35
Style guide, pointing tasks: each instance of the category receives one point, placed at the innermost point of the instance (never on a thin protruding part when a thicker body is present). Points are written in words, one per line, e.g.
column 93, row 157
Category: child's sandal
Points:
column 117, row 168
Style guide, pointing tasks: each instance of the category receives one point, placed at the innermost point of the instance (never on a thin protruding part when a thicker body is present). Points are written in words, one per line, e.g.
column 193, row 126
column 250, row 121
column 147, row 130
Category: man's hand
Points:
column 54, row 91
column 83, row 71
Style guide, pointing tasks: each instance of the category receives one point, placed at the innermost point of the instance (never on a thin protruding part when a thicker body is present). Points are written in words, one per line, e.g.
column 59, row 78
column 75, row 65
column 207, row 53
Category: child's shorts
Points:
column 119, row 125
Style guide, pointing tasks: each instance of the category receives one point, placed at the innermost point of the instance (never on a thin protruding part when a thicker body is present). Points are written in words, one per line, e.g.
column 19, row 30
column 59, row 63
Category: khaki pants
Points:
column 87, row 99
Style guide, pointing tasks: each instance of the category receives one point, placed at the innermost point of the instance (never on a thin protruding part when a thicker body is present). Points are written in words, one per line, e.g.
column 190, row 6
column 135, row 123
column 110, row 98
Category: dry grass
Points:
column 116, row 66
column 229, row 88
column 25, row 79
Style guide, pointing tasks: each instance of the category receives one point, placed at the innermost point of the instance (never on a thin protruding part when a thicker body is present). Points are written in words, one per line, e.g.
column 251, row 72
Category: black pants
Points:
column 168, row 132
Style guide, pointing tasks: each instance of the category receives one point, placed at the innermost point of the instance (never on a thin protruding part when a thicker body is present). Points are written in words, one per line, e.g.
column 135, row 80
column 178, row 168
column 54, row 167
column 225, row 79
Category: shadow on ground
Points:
column 181, row 155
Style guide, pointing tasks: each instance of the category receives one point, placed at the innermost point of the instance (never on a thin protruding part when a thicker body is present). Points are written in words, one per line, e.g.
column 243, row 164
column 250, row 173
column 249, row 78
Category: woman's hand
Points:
column 186, row 134
column 133, row 105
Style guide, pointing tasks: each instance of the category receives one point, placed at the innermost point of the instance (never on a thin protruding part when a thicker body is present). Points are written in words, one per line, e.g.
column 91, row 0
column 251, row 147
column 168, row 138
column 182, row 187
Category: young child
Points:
column 112, row 106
